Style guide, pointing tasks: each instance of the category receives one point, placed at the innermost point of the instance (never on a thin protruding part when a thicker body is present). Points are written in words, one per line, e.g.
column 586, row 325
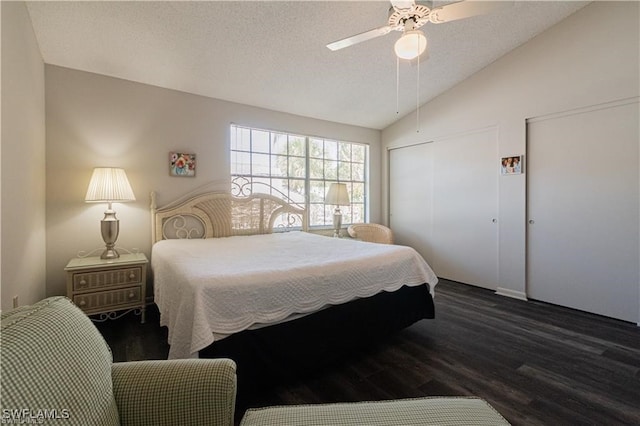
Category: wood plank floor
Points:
column 536, row 363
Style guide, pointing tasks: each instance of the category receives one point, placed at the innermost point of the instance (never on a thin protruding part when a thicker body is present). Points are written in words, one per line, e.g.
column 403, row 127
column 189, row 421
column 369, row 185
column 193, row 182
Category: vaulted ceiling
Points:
column 273, row 54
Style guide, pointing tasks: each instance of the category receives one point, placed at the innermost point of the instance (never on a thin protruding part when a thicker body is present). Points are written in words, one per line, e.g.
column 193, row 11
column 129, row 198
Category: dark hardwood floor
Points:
column 537, row 364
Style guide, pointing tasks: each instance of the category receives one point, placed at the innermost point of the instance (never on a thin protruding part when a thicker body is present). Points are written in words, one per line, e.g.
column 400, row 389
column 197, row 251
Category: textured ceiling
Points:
column 272, row 54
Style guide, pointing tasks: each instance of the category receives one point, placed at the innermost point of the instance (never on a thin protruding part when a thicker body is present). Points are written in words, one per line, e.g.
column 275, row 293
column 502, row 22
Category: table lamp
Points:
column 338, row 196
column 109, row 185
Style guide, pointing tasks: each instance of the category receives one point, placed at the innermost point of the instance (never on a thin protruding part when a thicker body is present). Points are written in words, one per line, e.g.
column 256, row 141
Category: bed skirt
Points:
column 284, row 351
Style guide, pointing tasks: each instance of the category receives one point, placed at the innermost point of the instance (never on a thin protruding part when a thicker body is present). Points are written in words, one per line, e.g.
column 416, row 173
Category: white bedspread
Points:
column 209, row 289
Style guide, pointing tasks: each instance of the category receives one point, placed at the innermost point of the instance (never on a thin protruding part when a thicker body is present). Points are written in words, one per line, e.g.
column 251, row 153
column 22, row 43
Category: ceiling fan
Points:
column 409, row 15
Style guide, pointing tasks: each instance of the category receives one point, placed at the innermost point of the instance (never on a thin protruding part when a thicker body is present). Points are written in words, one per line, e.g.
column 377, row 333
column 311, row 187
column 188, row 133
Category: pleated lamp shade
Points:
column 109, row 184
column 337, row 195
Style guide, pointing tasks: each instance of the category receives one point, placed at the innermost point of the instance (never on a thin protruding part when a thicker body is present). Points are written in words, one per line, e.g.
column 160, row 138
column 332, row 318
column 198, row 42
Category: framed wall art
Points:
column 511, row 165
column 181, row 164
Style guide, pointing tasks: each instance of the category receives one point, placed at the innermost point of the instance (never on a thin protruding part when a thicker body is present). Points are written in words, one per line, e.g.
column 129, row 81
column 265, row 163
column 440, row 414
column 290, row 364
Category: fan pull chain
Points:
column 397, row 85
column 418, row 93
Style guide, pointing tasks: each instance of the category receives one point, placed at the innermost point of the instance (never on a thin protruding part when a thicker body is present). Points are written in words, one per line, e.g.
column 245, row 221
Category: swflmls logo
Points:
column 29, row 416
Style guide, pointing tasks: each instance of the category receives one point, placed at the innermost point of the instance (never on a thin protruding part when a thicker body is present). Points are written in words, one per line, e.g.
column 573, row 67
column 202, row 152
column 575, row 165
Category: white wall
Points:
column 590, row 58
column 94, row 120
column 23, row 160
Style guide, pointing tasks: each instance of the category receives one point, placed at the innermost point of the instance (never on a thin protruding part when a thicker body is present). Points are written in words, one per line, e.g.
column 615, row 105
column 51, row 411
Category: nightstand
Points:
column 106, row 286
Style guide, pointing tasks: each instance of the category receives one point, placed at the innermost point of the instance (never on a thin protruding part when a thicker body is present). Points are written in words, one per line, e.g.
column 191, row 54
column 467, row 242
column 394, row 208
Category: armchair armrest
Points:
column 185, row 392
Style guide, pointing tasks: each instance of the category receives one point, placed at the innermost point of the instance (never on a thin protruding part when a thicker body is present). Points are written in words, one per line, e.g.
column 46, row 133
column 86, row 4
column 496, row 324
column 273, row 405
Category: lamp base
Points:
column 337, row 222
column 110, row 253
column 110, row 227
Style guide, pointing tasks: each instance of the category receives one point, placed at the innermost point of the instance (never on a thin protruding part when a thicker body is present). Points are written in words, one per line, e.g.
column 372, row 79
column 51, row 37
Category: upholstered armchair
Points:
column 371, row 232
column 56, row 365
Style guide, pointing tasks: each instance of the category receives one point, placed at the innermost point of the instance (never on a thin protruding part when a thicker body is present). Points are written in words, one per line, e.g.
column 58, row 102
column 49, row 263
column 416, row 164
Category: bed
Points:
column 236, row 274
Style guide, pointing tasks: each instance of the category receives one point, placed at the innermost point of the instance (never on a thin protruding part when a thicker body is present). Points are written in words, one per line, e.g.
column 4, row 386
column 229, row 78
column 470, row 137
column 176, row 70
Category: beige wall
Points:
column 590, row 58
column 23, row 160
column 94, row 120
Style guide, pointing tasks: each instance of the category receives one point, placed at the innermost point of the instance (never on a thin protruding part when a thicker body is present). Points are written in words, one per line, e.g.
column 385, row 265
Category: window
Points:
column 302, row 168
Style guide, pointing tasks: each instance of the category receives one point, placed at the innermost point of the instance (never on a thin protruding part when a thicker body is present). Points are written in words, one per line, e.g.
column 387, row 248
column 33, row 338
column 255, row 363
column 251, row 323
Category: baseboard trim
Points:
column 520, row 295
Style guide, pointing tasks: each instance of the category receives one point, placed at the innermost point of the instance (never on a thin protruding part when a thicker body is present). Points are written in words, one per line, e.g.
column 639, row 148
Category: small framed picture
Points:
column 511, row 165
column 181, row 164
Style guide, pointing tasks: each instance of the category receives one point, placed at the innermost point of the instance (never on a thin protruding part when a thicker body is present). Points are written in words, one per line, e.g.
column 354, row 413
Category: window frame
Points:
column 246, row 148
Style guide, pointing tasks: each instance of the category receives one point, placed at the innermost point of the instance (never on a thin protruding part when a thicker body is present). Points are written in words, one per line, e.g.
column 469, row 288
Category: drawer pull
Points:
column 82, row 303
column 131, row 295
column 132, row 276
column 83, row 282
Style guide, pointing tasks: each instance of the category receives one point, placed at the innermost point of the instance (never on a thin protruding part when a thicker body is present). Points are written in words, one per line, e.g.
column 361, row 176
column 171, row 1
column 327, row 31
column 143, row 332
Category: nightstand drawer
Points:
column 109, row 278
column 108, row 299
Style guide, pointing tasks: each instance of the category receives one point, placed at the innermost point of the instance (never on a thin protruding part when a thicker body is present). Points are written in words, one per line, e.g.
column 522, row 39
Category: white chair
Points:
column 371, row 232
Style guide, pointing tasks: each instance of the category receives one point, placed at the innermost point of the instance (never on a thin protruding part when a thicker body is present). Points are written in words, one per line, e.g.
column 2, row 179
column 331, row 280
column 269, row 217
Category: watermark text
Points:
column 30, row 416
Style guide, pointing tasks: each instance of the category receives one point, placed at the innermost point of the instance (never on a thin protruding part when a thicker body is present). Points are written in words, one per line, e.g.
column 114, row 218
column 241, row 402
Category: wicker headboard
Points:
column 223, row 214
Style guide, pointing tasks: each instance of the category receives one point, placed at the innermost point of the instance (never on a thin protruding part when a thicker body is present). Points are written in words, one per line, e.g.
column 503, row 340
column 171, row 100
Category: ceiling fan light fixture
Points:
column 411, row 45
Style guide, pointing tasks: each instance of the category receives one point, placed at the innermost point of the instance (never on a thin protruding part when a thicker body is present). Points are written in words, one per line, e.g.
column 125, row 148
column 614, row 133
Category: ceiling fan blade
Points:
column 465, row 9
column 359, row 38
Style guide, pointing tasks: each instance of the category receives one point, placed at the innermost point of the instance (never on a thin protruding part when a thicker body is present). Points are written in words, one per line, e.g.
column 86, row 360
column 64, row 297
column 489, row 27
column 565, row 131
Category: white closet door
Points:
column 465, row 206
column 583, row 223
column 443, row 202
column 410, row 204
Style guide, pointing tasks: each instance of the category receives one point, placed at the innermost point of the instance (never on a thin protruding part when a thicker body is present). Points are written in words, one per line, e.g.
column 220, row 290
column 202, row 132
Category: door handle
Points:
column 531, row 222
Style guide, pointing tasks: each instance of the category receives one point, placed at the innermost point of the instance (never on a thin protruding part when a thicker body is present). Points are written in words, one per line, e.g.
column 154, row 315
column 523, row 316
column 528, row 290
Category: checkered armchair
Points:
column 56, row 366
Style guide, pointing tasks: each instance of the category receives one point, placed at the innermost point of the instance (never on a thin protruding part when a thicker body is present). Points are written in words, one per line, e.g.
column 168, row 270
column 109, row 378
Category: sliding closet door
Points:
column 443, row 202
column 410, row 183
column 583, row 223
column 465, row 208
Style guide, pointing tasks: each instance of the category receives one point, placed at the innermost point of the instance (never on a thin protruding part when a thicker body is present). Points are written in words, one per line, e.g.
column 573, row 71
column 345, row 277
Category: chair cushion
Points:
column 55, row 364
column 441, row 411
